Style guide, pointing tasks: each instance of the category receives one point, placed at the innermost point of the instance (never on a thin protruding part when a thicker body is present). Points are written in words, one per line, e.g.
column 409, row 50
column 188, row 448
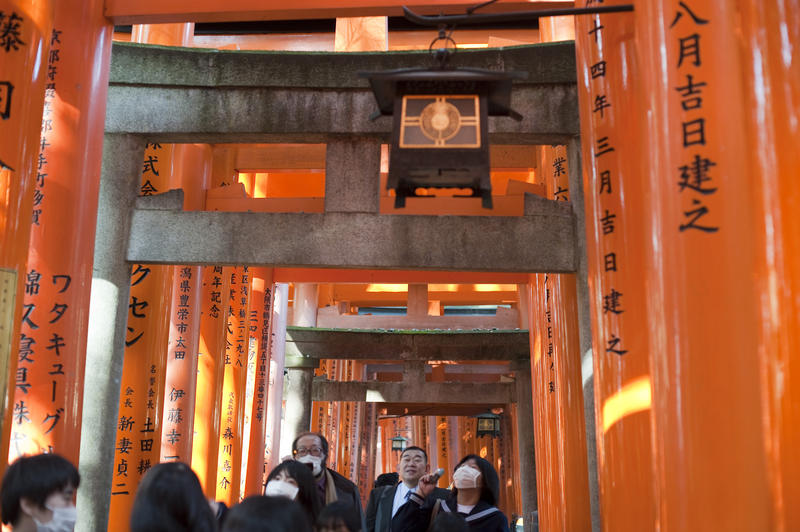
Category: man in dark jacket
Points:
column 312, row 448
column 385, row 501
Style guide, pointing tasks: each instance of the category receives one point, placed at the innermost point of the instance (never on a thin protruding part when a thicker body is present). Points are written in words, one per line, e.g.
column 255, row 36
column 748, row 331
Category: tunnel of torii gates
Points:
column 192, row 239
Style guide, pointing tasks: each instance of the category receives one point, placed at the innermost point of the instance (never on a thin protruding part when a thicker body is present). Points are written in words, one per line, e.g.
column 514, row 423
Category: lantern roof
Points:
column 498, row 83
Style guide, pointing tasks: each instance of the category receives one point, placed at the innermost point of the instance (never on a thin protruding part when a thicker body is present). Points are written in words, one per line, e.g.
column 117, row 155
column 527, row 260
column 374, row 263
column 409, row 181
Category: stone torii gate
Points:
column 199, row 96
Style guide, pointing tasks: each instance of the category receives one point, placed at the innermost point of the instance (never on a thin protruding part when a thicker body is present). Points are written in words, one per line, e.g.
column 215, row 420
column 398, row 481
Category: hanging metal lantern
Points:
column 488, row 425
column 398, row 443
column 440, row 137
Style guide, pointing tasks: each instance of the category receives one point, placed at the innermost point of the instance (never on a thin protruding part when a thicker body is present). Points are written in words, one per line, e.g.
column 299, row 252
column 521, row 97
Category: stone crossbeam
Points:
column 210, row 96
column 305, row 342
column 401, row 392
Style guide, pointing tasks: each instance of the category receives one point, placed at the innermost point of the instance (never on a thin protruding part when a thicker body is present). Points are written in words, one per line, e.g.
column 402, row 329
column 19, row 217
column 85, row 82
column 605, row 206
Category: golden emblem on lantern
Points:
column 440, row 121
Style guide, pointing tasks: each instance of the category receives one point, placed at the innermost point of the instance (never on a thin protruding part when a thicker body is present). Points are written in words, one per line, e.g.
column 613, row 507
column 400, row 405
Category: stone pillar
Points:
column 584, row 323
column 527, row 453
column 351, row 187
column 297, row 392
column 108, row 313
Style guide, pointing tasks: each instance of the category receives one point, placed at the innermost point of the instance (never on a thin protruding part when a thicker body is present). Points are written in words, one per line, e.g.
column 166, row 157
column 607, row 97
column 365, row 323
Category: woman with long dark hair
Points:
column 170, row 499
column 294, row 480
column 475, row 493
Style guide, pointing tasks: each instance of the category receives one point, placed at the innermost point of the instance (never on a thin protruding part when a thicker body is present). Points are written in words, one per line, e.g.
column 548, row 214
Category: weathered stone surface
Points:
column 541, row 242
column 188, row 95
column 401, row 392
column 407, row 345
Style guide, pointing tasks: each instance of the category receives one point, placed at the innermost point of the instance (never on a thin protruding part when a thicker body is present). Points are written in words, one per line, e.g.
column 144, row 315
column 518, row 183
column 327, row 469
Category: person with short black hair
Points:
column 259, row 513
column 294, row 480
column 38, row 493
column 337, row 517
column 386, row 479
column 475, row 494
column 311, row 448
column 170, row 499
column 385, row 502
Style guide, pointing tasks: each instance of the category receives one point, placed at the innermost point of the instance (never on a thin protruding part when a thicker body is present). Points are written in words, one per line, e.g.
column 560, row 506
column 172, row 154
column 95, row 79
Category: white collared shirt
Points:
column 400, row 496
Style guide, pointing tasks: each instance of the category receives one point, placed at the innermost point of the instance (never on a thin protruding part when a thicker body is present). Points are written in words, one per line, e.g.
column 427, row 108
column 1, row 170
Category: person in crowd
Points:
column 38, row 494
column 338, row 517
column 474, row 495
column 170, row 499
column 386, row 479
column 384, row 502
column 295, row 481
column 260, row 513
column 311, row 448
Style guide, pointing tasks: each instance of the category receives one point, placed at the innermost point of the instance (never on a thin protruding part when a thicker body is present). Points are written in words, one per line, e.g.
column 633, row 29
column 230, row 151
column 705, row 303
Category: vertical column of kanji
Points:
column 345, row 425
column 335, row 413
column 262, row 309
column 443, row 449
column 210, row 371
column 142, row 386
column 57, row 283
column 280, row 305
column 549, row 471
column 191, row 172
column 704, row 345
column 25, row 33
column 773, row 91
column 369, row 451
column 616, row 241
column 456, row 450
column 229, row 463
column 355, row 425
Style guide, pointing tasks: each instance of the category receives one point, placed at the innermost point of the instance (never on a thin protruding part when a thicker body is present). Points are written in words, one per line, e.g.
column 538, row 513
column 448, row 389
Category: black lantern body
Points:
column 440, row 137
column 488, row 425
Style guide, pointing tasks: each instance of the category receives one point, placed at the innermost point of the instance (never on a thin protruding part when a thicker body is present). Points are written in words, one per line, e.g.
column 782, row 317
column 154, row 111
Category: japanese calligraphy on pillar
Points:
column 45, row 341
column 549, row 342
column 609, row 220
column 181, row 366
column 142, row 390
column 262, row 368
column 695, row 176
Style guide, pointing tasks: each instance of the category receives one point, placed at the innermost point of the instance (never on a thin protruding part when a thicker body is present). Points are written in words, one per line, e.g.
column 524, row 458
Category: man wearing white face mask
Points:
column 476, row 490
column 38, row 494
column 311, row 449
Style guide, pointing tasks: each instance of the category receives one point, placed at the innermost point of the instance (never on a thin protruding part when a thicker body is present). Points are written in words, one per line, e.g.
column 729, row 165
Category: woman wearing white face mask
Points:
column 38, row 494
column 295, row 481
column 475, row 493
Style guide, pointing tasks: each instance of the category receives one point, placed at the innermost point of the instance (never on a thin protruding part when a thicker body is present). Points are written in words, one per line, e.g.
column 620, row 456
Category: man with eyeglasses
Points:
column 311, row 449
column 385, row 501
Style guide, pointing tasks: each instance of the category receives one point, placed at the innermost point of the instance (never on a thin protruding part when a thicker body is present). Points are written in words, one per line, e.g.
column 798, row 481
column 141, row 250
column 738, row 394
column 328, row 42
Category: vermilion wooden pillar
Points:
column 770, row 38
column 262, row 307
column 22, row 56
column 210, row 371
column 608, row 82
column 705, row 312
column 191, row 171
column 229, row 461
column 49, row 377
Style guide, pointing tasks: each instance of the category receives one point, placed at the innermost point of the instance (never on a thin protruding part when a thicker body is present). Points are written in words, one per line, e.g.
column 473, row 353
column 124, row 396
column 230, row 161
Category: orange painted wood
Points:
column 142, row 387
column 705, row 311
column 21, row 103
column 616, row 259
column 233, row 394
column 191, row 167
column 59, row 271
column 210, row 372
column 770, row 33
column 261, row 307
